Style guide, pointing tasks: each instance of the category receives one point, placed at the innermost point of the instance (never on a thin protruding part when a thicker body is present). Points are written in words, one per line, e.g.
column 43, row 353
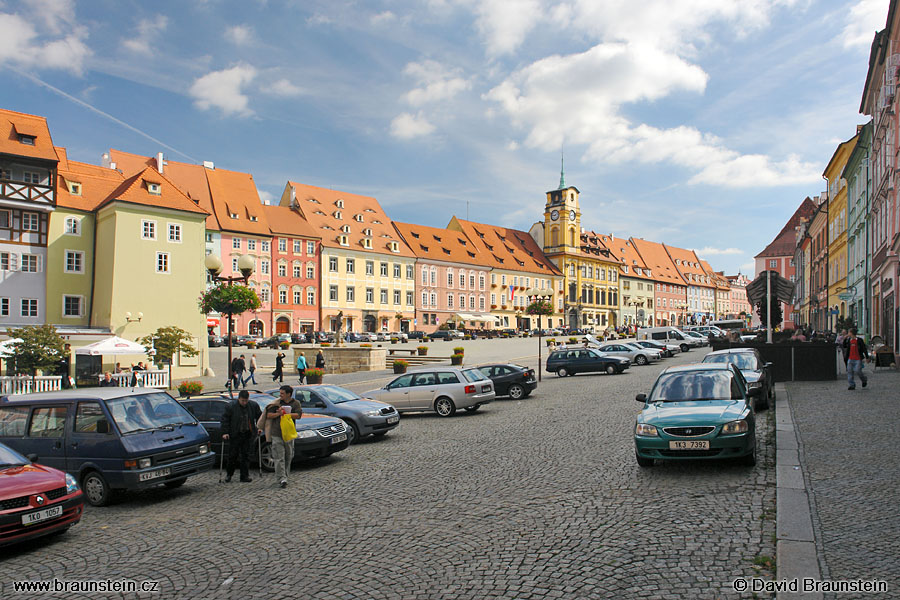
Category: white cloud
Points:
column 407, row 126
column 504, row 24
column 865, row 18
column 284, row 89
column 318, row 19
column 267, row 197
column 710, row 251
column 436, row 83
column 239, row 35
column 148, row 32
column 38, row 39
column 382, row 18
column 224, row 90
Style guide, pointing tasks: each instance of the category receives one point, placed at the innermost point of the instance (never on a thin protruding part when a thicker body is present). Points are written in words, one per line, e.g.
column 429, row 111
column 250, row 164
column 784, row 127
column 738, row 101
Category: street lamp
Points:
column 533, row 295
column 246, row 264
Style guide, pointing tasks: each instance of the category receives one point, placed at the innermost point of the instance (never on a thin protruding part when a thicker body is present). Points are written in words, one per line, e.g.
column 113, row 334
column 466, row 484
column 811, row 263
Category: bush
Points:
column 284, row 345
column 423, row 350
column 459, row 350
column 467, row 337
column 456, row 359
column 189, row 388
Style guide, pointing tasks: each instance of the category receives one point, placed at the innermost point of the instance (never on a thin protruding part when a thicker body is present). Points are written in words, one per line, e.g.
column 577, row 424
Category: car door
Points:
column 495, row 374
column 313, row 404
column 593, row 361
column 46, row 435
column 397, row 392
column 423, row 390
column 93, row 439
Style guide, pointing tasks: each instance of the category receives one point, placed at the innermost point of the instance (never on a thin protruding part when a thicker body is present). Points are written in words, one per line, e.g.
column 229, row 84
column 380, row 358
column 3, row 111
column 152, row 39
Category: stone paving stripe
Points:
column 789, row 476
column 787, row 457
column 797, row 560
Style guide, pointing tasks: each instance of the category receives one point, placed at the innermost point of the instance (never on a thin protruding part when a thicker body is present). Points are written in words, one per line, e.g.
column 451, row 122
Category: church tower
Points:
column 562, row 218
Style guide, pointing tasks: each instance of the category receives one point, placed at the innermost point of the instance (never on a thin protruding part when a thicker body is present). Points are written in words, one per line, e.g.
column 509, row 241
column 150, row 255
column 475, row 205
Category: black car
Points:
column 298, row 338
column 319, row 436
column 323, row 336
column 757, row 372
column 216, row 340
column 416, row 335
column 566, row 361
column 353, row 336
column 514, row 381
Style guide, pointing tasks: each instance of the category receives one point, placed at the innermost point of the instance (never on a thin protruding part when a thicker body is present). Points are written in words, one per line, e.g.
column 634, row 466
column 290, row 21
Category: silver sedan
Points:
column 636, row 354
column 441, row 389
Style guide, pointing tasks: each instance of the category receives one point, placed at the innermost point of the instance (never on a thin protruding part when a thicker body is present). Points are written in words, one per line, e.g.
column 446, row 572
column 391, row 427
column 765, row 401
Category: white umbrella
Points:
column 6, row 350
column 112, row 346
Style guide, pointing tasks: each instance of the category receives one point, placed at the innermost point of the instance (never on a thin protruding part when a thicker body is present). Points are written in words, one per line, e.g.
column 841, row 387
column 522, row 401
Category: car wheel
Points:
column 610, row 370
column 268, row 463
column 352, row 432
column 444, row 407
column 640, row 359
column 685, row 347
column 96, row 490
column 761, row 404
column 562, row 372
column 175, row 483
column 516, row 391
column 472, row 409
column 750, row 459
column 643, row 462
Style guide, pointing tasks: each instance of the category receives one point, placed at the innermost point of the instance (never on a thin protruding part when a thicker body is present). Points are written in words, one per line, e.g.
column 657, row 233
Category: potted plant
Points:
column 467, row 337
column 324, row 344
column 251, row 345
column 573, row 340
column 456, row 359
column 394, row 340
column 551, row 342
column 284, row 345
column 189, row 388
column 365, row 345
column 459, row 350
column 426, row 339
column 314, row 375
column 423, row 350
column 400, row 366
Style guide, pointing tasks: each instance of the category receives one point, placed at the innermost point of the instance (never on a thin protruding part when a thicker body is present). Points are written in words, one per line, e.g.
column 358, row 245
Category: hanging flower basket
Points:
column 539, row 307
column 228, row 300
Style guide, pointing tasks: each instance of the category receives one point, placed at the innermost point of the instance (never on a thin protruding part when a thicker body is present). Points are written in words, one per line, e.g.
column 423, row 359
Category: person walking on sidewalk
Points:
column 301, row 366
column 854, row 352
column 320, row 360
column 278, row 373
column 282, row 451
column 239, row 430
column 252, row 375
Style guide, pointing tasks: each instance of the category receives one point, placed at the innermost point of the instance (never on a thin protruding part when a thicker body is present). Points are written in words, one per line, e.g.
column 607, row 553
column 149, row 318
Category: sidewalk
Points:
column 838, row 474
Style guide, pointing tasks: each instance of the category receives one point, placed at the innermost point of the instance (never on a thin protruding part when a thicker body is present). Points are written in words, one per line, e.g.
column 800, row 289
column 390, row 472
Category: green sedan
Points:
column 696, row 412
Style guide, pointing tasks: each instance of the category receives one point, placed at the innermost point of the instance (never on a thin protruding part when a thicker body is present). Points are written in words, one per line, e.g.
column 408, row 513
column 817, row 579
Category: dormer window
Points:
column 367, row 243
column 359, row 218
column 395, row 246
column 28, row 140
column 338, row 215
column 74, row 188
column 154, row 188
column 254, row 218
column 233, row 215
column 345, row 229
column 343, row 240
column 367, row 232
column 339, row 203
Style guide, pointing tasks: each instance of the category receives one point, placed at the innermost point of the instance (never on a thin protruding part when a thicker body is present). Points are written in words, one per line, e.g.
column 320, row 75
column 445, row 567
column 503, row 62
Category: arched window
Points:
column 572, row 236
column 554, row 236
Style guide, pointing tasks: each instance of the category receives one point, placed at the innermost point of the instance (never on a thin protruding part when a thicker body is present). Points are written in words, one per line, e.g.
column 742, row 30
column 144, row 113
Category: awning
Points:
column 112, row 346
column 212, row 322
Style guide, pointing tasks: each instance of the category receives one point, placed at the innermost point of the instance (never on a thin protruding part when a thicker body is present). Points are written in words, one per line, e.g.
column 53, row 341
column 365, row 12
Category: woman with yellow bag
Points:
column 280, row 431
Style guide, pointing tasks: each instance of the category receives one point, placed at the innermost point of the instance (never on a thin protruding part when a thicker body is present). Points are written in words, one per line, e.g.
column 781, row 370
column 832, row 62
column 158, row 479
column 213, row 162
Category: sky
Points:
column 699, row 123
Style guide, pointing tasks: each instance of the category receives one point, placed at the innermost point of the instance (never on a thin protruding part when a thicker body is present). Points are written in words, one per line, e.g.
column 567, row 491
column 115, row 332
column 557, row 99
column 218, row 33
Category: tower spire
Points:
column 562, row 170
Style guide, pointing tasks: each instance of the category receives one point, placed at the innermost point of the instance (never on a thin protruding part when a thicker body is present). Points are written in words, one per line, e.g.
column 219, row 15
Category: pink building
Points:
column 295, row 272
column 739, row 302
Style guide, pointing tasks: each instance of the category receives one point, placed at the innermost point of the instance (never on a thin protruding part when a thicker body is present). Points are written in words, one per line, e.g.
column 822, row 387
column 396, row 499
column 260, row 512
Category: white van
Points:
column 668, row 335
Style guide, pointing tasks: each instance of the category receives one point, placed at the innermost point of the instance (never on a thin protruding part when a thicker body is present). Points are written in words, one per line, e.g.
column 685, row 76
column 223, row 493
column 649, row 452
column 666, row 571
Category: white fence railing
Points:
column 27, row 385
column 153, row 379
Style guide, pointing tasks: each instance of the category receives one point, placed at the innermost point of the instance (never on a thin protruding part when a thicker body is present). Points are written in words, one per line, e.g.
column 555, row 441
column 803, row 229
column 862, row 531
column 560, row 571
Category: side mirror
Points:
column 103, row 426
column 32, row 457
column 753, row 392
column 641, row 398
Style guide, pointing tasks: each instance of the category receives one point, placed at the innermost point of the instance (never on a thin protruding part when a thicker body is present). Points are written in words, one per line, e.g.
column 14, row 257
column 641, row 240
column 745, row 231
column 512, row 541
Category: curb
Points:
column 796, row 556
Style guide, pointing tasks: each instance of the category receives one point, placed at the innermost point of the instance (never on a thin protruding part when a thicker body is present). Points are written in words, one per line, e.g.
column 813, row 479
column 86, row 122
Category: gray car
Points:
column 441, row 389
column 636, row 354
column 363, row 416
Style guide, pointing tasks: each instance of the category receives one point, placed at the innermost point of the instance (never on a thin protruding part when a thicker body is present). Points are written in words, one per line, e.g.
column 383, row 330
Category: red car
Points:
column 35, row 500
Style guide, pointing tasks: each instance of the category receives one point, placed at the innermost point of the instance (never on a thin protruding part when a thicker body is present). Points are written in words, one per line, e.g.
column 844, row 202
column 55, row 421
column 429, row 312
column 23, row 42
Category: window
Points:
column 174, row 233
column 480, row 302
column 481, row 282
column 29, row 307
column 773, row 263
column 433, row 299
column 74, row 261
column 282, row 270
column 48, row 422
column 383, row 296
column 332, row 293
column 503, row 280
column 310, row 248
column 251, row 244
column 264, row 267
column 72, row 306
column 265, row 246
column 351, row 265
column 424, row 298
column 471, row 302
column 298, row 246
column 332, row 264
column 162, row 262
column 28, row 140
column 12, row 421
column 370, row 295
column 493, row 299
column 297, row 271
column 282, row 296
column 450, row 278
column 351, row 294
column 236, row 243
column 462, row 281
column 31, row 263
column 282, row 245
column 397, row 272
column 462, row 302
column 410, row 298
column 310, row 271
column 148, row 230
column 384, row 269
column 4, row 307
column 264, row 294
column 310, row 296
column 370, row 267
column 234, row 265
column 154, row 189
column 424, row 276
column 298, row 297
column 31, row 176
column 397, row 296
column 73, row 225
column 410, row 272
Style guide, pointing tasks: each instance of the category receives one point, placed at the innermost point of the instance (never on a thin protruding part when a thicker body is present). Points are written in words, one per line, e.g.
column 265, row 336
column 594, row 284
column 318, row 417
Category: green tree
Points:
column 168, row 341
column 41, row 348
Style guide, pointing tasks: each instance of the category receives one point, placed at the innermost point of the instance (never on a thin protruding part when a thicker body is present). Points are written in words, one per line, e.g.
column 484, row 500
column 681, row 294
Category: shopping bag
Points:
column 288, row 430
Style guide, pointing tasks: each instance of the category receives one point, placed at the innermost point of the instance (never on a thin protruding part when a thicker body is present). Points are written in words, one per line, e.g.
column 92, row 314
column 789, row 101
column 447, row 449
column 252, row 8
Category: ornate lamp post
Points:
column 540, row 305
column 246, row 264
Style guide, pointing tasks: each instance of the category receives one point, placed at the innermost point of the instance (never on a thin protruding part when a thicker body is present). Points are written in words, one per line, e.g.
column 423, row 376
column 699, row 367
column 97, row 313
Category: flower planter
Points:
column 400, row 366
column 423, row 350
column 459, row 350
column 314, row 375
column 456, row 359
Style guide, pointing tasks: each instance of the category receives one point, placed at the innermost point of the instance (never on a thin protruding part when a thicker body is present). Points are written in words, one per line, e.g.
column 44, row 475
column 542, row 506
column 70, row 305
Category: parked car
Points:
column 755, row 370
column 400, row 335
column 514, row 381
column 116, row 438
column 215, row 341
column 442, row 389
column 275, row 341
column 698, row 411
column 707, row 329
column 703, row 339
column 636, row 354
column 416, row 335
column 446, row 334
column 298, row 338
column 567, row 361
column 668, row 335
column 324, row 336
column 668, row 350
column 353, row 336
column 35, row 499
column 363, row 416
column 317, row 436
column 243, row 340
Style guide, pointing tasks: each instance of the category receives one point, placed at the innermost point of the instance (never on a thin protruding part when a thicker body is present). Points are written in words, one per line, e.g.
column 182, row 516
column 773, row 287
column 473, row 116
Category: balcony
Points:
column 30, row 196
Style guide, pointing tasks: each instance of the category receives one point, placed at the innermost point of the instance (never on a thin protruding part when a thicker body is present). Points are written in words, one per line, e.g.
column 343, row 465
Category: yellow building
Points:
column 837, row 231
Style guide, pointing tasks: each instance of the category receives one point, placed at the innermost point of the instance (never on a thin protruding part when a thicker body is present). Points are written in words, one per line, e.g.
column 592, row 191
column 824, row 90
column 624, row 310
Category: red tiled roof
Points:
column 688, row 264
column 135, row 191
column 655, row 257
column 441, row 244
column 285, row 221
column 14, row 124
column 97, row 183
column 786, row 241
column 505, row 248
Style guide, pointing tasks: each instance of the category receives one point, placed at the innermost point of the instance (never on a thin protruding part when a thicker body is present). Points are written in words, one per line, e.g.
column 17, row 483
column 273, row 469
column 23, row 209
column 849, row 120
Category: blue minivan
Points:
column 108, row 438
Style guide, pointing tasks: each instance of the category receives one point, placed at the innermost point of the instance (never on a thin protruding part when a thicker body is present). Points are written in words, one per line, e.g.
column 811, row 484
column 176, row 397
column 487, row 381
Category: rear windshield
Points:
column 742, row 360
column 148, row 411
column 474, row 375
column 695, row 385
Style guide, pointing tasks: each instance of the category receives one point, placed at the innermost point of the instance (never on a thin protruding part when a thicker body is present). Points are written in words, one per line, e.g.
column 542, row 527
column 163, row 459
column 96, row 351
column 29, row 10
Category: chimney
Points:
column 160, row 163
column 208, row 164
column 104, row 160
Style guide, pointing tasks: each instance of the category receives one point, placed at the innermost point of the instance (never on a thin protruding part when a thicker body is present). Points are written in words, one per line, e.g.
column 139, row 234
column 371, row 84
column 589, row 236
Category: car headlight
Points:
column 645, row 430
column 71, row 484
column 144, row 463
column 735, row 427
column 204, row 448
column 373, row 413
column 306, row 433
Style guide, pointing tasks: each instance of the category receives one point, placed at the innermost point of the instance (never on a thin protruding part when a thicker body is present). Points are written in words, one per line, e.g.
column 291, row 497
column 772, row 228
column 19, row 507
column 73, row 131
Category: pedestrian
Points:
column 282, row 451
column 107, row 380
column 278, row 373
column 252, row 370
column 855, row 350
column 118, row 368
column 238, row 366
column 239, row 430
column 320, row 360
column 301, row 366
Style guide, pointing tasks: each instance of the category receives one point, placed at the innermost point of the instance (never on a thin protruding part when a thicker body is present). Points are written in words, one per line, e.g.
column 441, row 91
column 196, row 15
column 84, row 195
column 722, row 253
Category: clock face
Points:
column 571, row 215
column 554, row 215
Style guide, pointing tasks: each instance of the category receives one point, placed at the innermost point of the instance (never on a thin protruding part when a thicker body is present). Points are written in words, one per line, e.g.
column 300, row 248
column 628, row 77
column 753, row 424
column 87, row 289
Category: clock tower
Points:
column 562, row 218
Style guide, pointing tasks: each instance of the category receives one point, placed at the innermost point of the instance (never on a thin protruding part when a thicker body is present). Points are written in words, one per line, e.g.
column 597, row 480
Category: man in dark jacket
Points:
column 854, row 352
column 239, row 430
column 238, row 366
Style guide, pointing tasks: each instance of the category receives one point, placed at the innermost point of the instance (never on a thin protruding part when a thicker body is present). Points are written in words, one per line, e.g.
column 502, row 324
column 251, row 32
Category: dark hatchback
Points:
column 317, row 436
column 566, row 362
column 757, row 372
column 514, row 381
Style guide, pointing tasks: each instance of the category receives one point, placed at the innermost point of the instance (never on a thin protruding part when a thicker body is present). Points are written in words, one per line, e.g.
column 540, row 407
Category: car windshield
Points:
column 337, row 395
column 11, row 458
column 148, row 412
column 474, row 375
column 695, row 386
column 742, row 360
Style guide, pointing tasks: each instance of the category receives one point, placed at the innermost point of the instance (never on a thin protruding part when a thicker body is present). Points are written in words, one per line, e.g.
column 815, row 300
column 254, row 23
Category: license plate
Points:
column 485, row 389
column 392, row 420
column 153, row 474
column 339, row 438
column 689, row 445
column 42, row 515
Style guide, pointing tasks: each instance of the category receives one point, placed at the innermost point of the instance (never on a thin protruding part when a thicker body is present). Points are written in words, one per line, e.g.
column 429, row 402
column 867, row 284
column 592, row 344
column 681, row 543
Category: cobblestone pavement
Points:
column 539, row 498
column 852, row 462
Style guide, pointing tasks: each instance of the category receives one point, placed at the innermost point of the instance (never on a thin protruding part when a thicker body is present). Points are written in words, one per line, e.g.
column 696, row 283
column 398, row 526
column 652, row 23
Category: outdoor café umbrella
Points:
column 113, row 345
column 6, row 350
